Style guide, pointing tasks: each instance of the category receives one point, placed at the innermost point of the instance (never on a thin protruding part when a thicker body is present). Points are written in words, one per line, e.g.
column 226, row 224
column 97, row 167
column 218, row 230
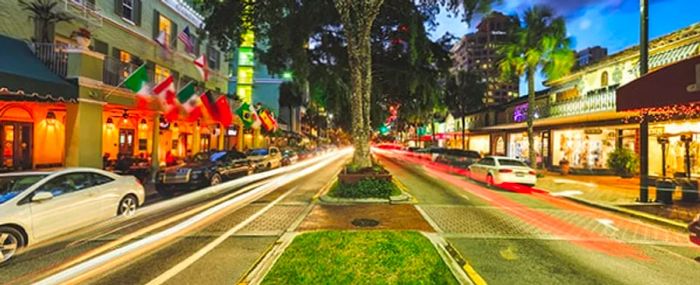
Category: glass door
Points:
column 126, row 141
column 16, row 139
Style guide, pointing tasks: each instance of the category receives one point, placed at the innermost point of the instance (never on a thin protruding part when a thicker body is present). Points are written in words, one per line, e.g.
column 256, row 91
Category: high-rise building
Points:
column 477, row 51
column 590, row 55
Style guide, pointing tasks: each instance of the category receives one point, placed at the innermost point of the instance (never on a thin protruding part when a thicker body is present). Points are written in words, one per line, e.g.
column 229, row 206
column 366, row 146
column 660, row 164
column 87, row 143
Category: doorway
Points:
column 126, row 142
column 17, row 142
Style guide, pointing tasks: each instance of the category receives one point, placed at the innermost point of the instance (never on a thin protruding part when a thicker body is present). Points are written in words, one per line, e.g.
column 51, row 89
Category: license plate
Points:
column 520, row 174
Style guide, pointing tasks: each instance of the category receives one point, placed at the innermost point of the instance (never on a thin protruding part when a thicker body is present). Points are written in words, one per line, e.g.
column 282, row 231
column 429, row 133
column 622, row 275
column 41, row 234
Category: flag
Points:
column 137, row 82
column 248, row 115
column 267, row 120
column 190, row 102
column 201, row 65
column 162, row 39
column 186, row 39
column 165, row 92
column 219, row 110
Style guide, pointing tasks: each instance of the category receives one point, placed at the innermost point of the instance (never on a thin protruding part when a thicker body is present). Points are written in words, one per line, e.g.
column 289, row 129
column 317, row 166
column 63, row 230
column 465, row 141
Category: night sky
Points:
column 609, row 23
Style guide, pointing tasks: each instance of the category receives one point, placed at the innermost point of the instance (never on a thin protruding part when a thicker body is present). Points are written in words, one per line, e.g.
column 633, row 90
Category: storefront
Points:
column 584, row 148
column 480, row 143
column 669, row 99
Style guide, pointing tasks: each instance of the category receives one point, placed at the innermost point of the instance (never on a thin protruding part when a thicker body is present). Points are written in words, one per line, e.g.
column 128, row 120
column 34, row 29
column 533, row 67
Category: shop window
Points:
column 604, row 79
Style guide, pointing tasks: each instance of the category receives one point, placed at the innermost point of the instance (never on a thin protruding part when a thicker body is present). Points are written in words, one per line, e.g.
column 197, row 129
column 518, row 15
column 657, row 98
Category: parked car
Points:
column 266, row 158
column 304, row 154
column 496, row 170
column 289, row 156
column 205, row 169
column 36, row 206
column 694, row 230
column 458, row 157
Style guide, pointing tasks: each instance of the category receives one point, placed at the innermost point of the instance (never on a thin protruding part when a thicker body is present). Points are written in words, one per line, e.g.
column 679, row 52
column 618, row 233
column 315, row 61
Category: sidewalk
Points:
column 612, row 192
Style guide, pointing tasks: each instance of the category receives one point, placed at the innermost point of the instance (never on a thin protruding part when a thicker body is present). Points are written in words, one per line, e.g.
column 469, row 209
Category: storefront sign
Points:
column 232, row 131
column 593, row 131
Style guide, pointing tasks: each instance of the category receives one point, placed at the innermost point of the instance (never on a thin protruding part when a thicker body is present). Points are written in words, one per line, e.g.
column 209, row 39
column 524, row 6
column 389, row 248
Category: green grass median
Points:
column 360, row 257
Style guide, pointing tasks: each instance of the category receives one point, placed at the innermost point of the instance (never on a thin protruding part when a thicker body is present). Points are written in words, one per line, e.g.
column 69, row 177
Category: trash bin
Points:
column 690, row 190
column 664, row 190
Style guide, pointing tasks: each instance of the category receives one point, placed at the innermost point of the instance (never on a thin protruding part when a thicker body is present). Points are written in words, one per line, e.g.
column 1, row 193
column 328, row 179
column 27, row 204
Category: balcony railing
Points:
column 53, row 56
column 84, row 9
column 115, row 71
column 602, row 100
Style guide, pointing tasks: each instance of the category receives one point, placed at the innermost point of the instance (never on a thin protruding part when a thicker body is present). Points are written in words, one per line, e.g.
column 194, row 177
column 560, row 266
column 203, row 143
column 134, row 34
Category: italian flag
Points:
column 137, row 82
column 190, row 102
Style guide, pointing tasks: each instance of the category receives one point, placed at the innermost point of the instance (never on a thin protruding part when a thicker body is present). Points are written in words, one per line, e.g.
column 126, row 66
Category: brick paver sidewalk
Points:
column 617, row 192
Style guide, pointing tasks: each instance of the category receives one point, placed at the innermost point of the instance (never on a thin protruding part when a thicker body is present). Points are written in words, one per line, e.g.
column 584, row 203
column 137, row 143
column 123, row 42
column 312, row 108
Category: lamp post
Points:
column 644, row 125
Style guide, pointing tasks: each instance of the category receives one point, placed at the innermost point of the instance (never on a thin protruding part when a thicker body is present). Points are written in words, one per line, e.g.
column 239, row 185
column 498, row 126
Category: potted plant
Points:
column 45, row 18
column 82, row 37
column 624, row 162
column 564, row 165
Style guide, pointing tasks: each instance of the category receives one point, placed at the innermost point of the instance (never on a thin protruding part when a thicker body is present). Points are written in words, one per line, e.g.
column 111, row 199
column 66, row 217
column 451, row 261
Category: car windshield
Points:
column 202, row 156
column 255, row 152
column 11, row 186
column 511, row 162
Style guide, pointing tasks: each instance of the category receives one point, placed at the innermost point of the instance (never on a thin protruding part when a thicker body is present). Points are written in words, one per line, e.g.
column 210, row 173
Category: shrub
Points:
column 623, row 161
column 367, row 188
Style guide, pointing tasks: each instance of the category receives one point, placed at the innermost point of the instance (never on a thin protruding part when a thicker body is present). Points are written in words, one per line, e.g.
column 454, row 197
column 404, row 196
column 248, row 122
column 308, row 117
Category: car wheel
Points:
column 127, row 206
column 215, row 179
column 489, row 181
column 10, row 241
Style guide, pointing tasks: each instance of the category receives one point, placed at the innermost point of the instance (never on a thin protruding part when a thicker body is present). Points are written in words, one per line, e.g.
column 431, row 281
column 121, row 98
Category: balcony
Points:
column 85, row 10
column 53, row 56
column 595, row 101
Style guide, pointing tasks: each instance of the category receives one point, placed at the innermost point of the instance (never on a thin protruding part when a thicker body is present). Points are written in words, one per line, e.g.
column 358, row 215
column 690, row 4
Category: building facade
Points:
column 577, row 119
column 100, row 119
column 477, row 52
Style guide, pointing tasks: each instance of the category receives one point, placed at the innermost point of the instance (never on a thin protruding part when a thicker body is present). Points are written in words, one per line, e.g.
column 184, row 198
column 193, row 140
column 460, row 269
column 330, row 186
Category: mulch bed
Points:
column 340, row 217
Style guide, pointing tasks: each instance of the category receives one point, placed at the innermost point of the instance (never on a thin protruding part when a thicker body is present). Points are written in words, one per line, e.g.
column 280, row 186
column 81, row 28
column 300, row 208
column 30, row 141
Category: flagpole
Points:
column 121, row 83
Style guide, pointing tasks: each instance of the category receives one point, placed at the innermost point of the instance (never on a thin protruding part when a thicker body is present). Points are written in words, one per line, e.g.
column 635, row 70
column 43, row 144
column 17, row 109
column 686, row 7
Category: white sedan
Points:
column 496, row 170
column 36, row 206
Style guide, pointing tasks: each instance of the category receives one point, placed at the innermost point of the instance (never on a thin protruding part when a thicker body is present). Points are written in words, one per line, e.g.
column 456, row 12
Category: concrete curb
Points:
column 460, row 268
column 633, row 213
column 257, row 273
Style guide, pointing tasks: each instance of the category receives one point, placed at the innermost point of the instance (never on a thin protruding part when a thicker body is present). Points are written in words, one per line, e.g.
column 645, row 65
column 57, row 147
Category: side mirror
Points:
column 42, row 196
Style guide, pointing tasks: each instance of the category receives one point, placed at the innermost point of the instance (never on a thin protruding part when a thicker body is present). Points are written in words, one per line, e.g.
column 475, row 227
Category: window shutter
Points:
column 151, row 70
column 156, row 23
column 115, row 52
column 176, row 78
column 173, row 35
column 118, row 7
column 137, row 12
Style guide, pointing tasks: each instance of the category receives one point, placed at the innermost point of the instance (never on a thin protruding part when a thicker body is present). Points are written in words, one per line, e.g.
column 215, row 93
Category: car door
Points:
column 239, row 164
column 108, row 193
column 275, row 157
column 73, row 205
column 489, row 166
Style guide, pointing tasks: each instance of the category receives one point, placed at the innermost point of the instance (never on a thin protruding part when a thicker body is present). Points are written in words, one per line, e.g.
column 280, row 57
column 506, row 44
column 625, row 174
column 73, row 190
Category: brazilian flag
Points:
column 247, row 114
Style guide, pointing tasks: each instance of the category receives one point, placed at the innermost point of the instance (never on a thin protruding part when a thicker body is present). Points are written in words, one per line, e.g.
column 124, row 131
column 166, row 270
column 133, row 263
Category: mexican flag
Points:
column 137, row 82
column 165, row 92
column 218, row 109
column 248, row 115
column 190, row 102
column 201, row 64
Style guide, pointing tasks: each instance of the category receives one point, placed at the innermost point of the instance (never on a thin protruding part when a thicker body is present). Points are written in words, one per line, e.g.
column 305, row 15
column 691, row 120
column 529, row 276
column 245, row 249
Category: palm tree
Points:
column 45, row 18
column 464, row 92
column 539, row 44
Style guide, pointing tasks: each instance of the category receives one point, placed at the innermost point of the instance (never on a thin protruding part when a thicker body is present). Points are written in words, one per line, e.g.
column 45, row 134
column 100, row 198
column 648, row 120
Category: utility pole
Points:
column 644, row 125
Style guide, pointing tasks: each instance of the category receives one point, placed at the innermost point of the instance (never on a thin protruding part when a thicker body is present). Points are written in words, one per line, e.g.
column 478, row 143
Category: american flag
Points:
column 186, row 39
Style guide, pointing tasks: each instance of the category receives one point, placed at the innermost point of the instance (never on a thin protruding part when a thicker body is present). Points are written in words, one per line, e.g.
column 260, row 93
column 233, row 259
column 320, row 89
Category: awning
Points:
column 23, row 77
column 676, row 84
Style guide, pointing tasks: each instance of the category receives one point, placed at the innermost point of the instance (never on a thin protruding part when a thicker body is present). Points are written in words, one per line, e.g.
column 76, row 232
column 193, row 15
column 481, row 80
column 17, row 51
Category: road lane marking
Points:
column 170, row 273
column 567, row 193
column 608, row 223
column 100, row 263
column 570, row 181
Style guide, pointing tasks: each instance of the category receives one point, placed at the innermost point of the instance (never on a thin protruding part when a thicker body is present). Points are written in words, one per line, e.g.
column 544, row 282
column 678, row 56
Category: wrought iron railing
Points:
column 602, row 100
column 53, row 56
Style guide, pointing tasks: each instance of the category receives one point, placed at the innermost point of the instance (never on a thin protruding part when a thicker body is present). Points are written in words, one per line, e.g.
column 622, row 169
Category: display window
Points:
column 480, row 144
column 584, row 148
column 678, row 151
column 518, row 146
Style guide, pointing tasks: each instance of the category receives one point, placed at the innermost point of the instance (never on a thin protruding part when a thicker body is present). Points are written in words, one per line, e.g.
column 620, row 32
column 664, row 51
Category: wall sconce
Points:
column 143, row 125
column 125, row 117
column 110, row 123
column 50, row 118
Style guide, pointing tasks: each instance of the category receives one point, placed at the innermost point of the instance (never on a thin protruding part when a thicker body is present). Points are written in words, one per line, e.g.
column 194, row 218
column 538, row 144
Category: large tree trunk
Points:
column 531, row 117
column 357, row 17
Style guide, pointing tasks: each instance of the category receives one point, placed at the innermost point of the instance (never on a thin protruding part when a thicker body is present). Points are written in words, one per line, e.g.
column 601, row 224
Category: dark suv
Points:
column 458, row 157
column 205, row 169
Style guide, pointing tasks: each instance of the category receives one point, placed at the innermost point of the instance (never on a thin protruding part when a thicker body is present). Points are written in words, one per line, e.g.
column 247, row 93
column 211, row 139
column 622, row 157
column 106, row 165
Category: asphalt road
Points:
column 235, row 237
column 534, row 238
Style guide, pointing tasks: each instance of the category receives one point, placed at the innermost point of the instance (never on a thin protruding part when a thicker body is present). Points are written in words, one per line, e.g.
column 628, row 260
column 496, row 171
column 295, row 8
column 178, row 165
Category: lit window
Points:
column 161, row 73
column 124, row 56
column 165, row 26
